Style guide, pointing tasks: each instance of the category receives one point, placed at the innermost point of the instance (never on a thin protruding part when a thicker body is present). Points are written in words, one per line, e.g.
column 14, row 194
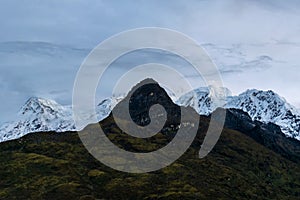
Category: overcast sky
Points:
column 255, row 43
column 86, row 23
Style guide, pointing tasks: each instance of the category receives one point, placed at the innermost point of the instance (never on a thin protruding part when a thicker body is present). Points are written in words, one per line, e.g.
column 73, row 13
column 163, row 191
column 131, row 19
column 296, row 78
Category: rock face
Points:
column 267, row 134
column 142, row 97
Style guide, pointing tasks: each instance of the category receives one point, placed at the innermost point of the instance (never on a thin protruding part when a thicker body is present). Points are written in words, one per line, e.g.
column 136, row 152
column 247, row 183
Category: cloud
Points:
column 86, row 23
column 255, row 43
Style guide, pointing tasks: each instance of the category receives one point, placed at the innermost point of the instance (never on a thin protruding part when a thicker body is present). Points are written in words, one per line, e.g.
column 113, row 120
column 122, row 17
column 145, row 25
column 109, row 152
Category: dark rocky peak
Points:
column 142, row 97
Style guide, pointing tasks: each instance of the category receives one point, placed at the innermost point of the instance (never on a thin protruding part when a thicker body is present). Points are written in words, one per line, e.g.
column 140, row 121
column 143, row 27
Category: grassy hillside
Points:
column 57, row 166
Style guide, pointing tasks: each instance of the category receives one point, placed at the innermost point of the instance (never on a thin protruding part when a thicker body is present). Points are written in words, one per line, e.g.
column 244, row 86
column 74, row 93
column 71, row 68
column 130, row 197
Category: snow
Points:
column 267, row 106
column 263, row 106
column 201, row 99
column 40, row 115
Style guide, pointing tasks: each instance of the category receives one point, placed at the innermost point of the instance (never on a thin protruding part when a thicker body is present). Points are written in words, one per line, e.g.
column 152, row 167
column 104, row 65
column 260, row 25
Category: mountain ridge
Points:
column 40, row 114
column 251, row 160
column 264, row 106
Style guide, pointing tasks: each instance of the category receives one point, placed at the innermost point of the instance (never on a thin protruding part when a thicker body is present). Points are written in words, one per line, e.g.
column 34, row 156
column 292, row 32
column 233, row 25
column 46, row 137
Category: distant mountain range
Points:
column 39, row 115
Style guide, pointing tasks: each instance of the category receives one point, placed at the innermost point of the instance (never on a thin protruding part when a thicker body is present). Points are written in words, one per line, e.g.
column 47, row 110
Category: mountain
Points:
column 266, row 134
column 200, row 99
column 267, row 106
column 144, row 95
column 263, row 106
column 251, row 160
column 39, row 115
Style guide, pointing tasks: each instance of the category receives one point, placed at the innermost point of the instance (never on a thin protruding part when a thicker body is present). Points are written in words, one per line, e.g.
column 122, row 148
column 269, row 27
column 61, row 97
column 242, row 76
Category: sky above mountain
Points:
column 86, row 23
column 255, row 44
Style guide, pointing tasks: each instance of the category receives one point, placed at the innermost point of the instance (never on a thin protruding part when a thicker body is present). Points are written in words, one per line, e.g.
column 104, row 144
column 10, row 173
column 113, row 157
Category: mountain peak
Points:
column 144, row 95
column 255, row 92
column 39, row 114
column 36, row 105
column 269, row 97
column 201, row 98
column 147, row 81
column 142, row 83
column 268, row 106
column 38, row 100
column 263, row 106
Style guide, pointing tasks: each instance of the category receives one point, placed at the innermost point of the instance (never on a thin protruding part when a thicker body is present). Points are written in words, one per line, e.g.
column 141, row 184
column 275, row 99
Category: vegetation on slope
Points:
column 57, row 166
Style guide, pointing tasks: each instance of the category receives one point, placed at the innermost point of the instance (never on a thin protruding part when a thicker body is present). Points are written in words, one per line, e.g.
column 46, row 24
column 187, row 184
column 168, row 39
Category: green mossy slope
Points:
column 57, row 166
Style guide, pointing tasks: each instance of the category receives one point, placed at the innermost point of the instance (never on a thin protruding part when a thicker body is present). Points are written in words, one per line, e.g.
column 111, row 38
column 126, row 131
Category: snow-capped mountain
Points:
column 39, row 115
column 267, row 106
column 200, row 99
column 263, row 106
